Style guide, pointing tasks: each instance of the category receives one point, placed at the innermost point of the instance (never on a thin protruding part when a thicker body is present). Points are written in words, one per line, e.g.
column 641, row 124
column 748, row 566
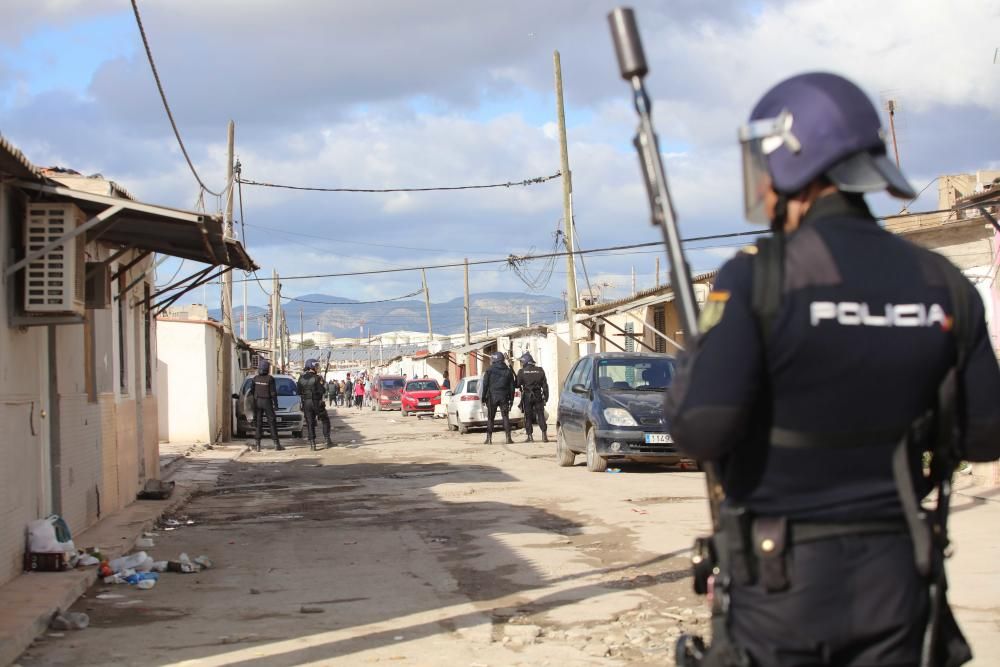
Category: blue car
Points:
column 611, row 407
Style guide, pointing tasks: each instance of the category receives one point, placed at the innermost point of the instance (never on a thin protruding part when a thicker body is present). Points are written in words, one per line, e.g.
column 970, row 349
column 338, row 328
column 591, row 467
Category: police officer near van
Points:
column 312, row 390
column 265, row 396
column 831, row 357
column 497, row 392
column 534, row 395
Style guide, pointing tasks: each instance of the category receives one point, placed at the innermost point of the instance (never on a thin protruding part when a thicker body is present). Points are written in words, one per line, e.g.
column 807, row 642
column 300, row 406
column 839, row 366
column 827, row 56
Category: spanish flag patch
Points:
column 715, row 307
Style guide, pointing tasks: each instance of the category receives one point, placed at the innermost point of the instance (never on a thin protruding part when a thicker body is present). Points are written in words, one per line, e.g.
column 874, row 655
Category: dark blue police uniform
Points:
column 855, row 352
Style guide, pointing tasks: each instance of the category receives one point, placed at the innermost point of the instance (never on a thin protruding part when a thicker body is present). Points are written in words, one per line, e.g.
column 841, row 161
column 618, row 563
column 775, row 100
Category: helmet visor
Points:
column 758, row 139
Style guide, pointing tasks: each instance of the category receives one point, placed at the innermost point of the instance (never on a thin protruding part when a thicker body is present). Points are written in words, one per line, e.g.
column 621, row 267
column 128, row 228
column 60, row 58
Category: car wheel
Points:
column 595, row 462
column 404, row 413
column 565, row 456
column 463, row 428
column 241, row 428
column 296, row 434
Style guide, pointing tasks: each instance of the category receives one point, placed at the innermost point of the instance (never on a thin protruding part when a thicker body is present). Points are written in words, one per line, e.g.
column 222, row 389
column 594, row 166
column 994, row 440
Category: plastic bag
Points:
column 44, row 536
column 129, row 562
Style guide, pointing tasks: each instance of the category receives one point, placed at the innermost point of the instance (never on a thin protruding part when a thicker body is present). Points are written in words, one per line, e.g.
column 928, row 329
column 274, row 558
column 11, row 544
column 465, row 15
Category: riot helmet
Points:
column 810, row 126
column 526, row 358
column 497, row 357
column 311, row 365
column 264, row 367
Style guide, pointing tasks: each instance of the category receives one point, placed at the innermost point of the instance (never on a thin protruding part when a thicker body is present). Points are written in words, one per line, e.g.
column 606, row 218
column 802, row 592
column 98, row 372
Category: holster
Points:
column 770, row 543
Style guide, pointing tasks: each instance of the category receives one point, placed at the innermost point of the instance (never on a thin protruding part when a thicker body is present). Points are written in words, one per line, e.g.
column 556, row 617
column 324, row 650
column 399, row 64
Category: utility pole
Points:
column 487, row 325
column 275, row 319
column 892, row 129
column 567, row 183
column 657, row 271
column 369, row 348
column 527, row 315
column 227, row 277
column 427, row 304
column 633, row 281
column 243, row 326
column 468, row 326
column 302, row 339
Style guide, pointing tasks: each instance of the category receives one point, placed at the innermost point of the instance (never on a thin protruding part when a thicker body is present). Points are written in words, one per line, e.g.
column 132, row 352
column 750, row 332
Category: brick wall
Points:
column 20, row 478
column 110, row 498
column 81, row 453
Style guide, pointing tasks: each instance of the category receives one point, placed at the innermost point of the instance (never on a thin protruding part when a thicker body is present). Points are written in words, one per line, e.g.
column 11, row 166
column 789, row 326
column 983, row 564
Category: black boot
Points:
column 329, row 443
column 530, row 438
column 312, row 445
column 278, row 447
column 510, row 440
column 256, row 446
column 545, row 436
column 489, row 439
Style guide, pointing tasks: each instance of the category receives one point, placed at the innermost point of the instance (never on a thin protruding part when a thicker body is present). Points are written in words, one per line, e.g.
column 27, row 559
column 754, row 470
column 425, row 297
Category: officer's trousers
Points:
column 262, row 408
column 534, row 413
column 854, row 600
column 491, row 413
column 311, row 411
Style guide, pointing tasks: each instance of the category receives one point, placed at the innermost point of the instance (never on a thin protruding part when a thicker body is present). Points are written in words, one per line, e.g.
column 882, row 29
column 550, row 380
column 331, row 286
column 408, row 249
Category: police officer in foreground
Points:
column 830, row 357
column 312, row 389
column 265, row 395
column 496, row 390
column 534, row 395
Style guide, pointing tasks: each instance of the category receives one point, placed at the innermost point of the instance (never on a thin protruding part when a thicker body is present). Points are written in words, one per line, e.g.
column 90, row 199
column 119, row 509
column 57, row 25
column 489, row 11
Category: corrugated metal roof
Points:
column 13, row 162
column 641, row 297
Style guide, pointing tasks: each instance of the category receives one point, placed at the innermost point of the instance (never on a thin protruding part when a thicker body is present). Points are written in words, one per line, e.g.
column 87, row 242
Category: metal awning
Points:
column 168, row 231
column 474, row 347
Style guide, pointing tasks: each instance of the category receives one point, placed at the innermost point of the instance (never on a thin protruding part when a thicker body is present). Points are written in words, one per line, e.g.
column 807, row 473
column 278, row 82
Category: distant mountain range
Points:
column 337, row 316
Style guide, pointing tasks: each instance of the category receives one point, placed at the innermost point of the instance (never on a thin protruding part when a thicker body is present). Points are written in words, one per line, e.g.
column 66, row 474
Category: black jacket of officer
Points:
column 534, row 395
column 265, row 393
column 498, row 383
column 311, row 386
column 803, row 409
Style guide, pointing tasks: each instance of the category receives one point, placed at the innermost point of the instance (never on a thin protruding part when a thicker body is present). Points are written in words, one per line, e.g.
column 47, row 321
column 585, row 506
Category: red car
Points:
column 420, row 396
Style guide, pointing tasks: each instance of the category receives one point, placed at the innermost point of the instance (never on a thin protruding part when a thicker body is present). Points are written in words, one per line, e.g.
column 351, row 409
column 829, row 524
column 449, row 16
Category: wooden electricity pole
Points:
column 468, row 326
column 227, row 277
column 427, row 304
column 567, row 183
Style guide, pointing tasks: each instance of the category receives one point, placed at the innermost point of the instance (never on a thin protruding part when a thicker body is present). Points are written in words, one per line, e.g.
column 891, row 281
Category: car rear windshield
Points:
column 472, row 387
column 396, row 383
column 286, row 387
column 423, row 385
column 634, row 374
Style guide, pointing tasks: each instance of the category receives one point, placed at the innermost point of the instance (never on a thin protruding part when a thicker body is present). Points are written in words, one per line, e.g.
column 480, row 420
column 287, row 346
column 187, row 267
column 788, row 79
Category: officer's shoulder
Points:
column 736, row 274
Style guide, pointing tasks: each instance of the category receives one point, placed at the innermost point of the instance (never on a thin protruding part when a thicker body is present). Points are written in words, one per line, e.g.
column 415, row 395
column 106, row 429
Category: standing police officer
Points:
column 534, row 395
column 265, row 395
column 312, row 389
column 819, row 353
column 496, row 390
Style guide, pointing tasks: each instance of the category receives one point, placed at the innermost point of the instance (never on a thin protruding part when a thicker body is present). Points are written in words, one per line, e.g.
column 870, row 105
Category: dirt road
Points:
column 411, row 545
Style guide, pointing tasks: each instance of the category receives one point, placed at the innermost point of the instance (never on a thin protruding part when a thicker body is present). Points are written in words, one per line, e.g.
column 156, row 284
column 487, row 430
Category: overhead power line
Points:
column 516, row 259
column 166, row 105
column 353, row 303
column 509, row 184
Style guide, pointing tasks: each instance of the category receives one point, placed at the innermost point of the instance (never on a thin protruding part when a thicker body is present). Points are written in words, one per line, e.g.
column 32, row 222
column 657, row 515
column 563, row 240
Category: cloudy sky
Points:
column 401, row 93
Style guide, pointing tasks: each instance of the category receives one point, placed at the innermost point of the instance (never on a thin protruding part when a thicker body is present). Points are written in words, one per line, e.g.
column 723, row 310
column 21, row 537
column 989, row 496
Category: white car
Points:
column 465, row 410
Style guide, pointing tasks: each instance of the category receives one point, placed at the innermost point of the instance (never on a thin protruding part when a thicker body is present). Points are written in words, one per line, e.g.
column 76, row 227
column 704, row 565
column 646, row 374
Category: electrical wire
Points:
column 509, row 184
column 166, row 105
column 516, row 258
column 243, row 232
column 353, row 303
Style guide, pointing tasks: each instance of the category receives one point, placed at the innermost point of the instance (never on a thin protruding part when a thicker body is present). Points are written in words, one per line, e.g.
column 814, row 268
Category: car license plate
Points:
column 658, row 438
column 423, row 403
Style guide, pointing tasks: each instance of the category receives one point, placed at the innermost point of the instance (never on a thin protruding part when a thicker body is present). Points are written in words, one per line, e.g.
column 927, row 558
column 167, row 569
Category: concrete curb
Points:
column 28, row 603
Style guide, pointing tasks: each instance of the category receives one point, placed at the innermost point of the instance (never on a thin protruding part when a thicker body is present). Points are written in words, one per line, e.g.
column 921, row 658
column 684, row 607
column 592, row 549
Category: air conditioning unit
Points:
column 54, row 282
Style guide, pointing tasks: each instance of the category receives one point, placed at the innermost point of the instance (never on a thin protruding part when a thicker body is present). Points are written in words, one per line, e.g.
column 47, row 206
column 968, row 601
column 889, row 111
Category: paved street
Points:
column 410, row 545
